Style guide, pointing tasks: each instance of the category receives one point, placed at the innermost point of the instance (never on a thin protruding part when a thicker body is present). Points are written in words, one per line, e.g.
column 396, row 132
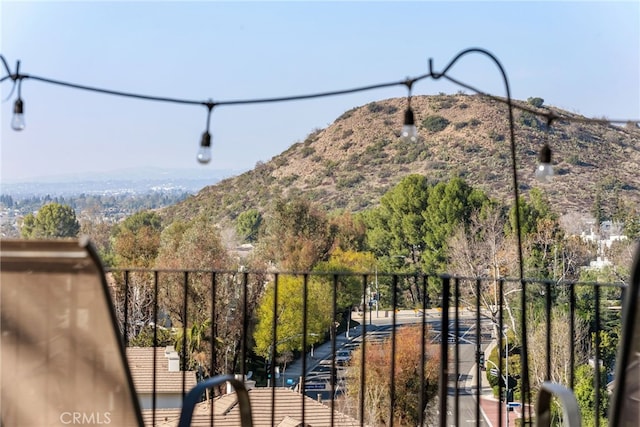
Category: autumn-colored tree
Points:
column 297, row 235
column 349, row 231
column 193, row 245
column 135, row 243
column 409, row 392
column 136, row 240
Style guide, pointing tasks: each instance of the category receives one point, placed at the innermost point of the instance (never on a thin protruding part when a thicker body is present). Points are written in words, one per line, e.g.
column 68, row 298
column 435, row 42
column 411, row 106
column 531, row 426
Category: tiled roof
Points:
column 288, row 412
column 141, row 366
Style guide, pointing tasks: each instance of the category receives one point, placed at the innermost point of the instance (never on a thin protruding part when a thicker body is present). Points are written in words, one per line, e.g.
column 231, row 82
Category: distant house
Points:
column 168, row 376
column 288, row 411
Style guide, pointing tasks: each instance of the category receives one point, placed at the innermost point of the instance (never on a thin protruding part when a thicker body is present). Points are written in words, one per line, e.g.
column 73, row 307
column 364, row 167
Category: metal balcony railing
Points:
column 365, row 349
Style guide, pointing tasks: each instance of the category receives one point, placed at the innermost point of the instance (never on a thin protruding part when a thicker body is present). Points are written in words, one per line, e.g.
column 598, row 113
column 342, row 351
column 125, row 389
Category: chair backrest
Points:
column 62, row 357
column 625, row 405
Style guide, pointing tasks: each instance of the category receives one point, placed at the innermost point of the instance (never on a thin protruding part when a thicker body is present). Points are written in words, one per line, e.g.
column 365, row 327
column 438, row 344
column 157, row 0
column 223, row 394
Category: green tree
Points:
column 535, row 101
column 248, row 225
column 585, row 395
column 450, row 204
column 52, row 221
column 396, row 227
column 349, row 287
column 289, row 315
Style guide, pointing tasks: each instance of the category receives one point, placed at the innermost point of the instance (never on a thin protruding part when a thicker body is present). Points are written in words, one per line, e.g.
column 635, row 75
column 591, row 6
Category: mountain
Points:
column 354, row 161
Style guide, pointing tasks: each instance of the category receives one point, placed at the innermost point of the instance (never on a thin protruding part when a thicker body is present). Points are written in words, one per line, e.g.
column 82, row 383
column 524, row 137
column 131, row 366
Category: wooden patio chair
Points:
column 61, row 352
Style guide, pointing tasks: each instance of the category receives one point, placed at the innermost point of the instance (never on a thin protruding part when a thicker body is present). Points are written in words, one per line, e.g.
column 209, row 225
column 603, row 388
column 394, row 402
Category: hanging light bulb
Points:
column 544, row 171
column 409, row 132
column 17, row 122
column 204, row 153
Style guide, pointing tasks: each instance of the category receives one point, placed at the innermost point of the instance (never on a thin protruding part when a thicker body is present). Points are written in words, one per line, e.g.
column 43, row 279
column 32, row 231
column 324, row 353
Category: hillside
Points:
column 355, row 160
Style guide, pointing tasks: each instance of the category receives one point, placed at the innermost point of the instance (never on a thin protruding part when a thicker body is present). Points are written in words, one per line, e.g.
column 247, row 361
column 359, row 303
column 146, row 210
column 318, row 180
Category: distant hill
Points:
column 130, row 181
column 356, row 159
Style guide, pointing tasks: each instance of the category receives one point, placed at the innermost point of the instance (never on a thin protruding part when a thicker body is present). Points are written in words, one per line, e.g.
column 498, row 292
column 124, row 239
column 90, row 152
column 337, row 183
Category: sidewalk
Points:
column 490, row 407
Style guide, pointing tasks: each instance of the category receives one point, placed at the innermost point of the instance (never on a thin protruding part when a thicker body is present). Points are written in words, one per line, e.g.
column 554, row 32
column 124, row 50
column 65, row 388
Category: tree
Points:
column 52, row 221
column 135, row 243
column 561, row 346
column 248, row 225
column 136, row 240
column 396, row 227
column 585, row 395
column 450, row 204
column 193, row 245
column 349, row 231
column 408, row 389
column 297, row 235
column 535, row 101
column 289, row 315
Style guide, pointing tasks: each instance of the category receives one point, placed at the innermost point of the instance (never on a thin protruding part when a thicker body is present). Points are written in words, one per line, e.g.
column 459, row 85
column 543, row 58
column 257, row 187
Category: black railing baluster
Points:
column 365, row 305
column 444, row 350
column 302, row 380
column 214, row 335
column 394, row 320
column 572, row 329
column 547, row 290
column 423, row 352
column 185, row 325
column 125, row 338
column 245, row 325
column 478, row 353
column 596, row 377
column 274, row 334
column 155, row 344
column 456, row 340
column 334, row 371
column 501, row 352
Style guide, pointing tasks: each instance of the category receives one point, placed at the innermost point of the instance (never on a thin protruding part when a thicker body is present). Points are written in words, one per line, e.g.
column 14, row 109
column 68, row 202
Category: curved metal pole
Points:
column 516, row 201
column 193, row 397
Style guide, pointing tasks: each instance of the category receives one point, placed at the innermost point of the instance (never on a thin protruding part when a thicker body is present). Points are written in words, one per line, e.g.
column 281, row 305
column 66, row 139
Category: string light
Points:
column 17, row 121
column 204, row 153
column 544, row 170
column 409, row 132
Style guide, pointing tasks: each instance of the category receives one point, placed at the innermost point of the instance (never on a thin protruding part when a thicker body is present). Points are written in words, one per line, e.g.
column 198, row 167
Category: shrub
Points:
column 435, row 123
column 536, row 102
column 460, row 125
column 349, row 181
column 374, row 107
column 307, row 151
column 347, row 114
column 528, row 119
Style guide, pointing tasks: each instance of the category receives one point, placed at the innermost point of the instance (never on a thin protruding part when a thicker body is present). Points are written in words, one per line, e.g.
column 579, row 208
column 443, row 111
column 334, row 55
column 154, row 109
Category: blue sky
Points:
column 580, row 56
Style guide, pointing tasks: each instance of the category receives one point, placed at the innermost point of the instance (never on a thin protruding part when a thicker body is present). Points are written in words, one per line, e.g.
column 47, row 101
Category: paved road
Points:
column 466, row 383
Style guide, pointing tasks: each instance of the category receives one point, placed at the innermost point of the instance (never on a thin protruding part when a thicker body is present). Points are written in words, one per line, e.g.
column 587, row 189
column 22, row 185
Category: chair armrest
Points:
column 194, row 394
column 568, row 402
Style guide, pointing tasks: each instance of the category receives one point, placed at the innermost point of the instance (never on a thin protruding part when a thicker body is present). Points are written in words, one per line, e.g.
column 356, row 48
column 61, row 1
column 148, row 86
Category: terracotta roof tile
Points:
column 141, row 367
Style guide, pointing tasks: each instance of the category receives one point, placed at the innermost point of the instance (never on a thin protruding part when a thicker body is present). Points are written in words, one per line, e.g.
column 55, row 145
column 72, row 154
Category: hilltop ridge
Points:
column 351, row 163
